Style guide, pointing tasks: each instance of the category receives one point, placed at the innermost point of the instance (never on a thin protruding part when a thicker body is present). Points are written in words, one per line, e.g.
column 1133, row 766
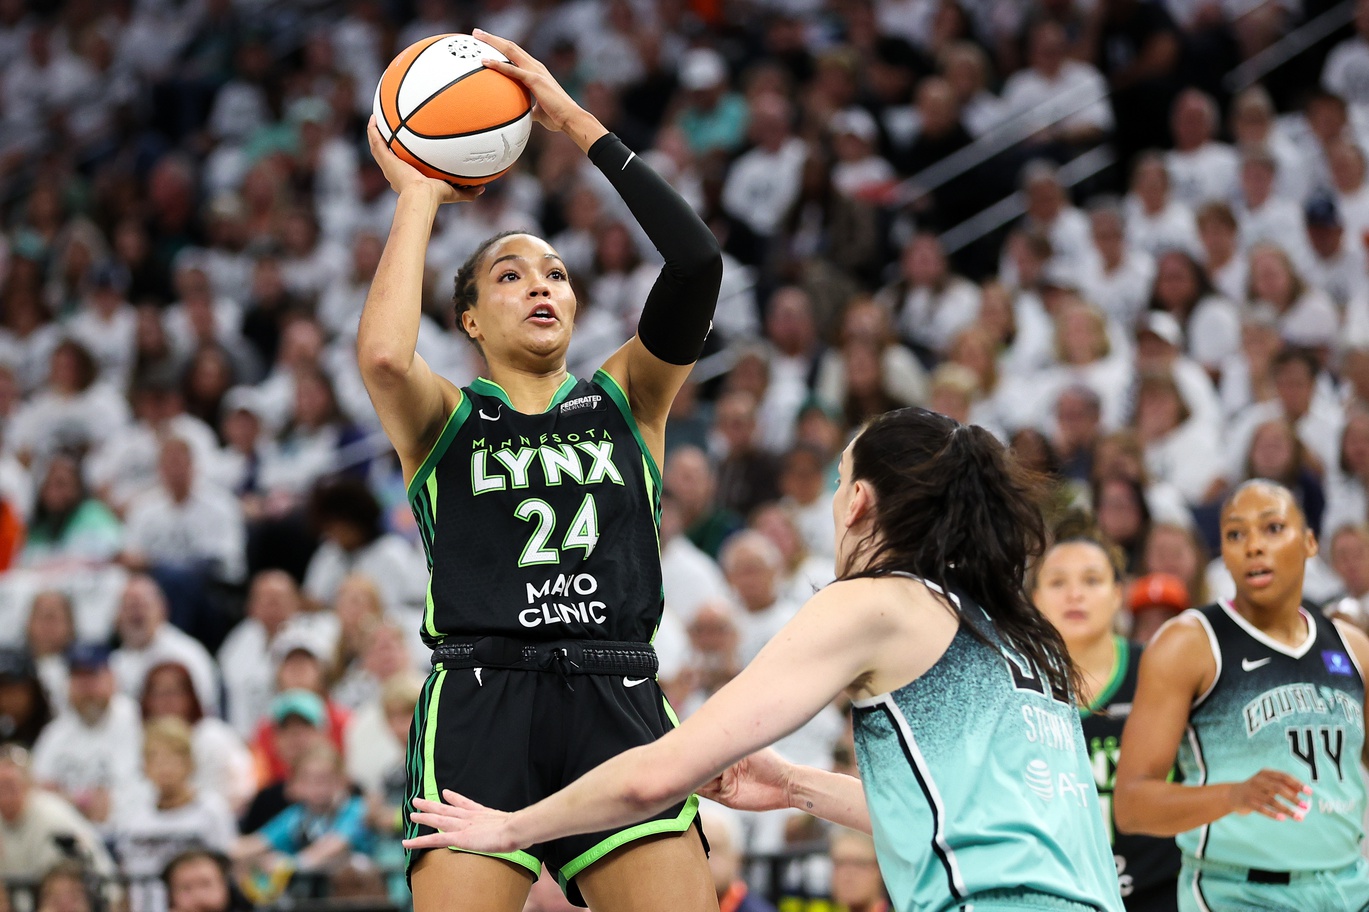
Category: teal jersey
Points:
column 977, row 780
column 1271, row 706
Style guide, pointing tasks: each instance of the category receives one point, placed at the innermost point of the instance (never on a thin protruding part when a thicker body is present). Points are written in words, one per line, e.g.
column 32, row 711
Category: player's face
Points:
column 1265, row 545
column 526, row 305
column 1078, row 591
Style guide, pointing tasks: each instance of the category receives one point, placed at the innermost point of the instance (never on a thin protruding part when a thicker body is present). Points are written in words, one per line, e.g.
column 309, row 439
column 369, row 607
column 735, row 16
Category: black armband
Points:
column 679, row 310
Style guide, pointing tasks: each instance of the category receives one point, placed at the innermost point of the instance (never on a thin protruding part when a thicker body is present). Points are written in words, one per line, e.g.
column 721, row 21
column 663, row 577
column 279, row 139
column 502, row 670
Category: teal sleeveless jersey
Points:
column 977, row 780
column 1300, row 711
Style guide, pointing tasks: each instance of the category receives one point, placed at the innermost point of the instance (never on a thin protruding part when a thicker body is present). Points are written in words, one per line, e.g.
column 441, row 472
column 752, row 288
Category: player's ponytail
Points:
column 953, row 507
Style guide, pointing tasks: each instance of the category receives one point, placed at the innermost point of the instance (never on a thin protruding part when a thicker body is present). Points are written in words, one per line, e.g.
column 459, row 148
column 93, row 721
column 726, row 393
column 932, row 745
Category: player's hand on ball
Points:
column 553, row 104
column 1273, row 794
column 759, row 782
column 402, row 175
column 463, row 824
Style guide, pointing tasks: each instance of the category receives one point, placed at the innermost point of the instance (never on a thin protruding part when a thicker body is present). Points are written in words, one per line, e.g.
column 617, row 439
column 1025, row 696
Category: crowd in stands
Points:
column 210, row 580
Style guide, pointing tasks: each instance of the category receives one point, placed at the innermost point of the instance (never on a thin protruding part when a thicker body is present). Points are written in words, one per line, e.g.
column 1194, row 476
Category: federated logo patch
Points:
column 584, row 403
column 1337, row 662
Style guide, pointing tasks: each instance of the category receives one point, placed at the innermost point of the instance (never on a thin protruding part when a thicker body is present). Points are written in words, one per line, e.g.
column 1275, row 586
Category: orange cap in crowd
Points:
column 1158, row 590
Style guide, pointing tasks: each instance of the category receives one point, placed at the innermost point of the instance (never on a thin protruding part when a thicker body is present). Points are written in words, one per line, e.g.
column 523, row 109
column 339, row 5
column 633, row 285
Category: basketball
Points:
column 450, row 117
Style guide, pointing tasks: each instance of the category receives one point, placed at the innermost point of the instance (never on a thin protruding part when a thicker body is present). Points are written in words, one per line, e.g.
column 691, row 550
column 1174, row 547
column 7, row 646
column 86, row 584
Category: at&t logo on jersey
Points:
column 1046, row 784
column 1038, row 779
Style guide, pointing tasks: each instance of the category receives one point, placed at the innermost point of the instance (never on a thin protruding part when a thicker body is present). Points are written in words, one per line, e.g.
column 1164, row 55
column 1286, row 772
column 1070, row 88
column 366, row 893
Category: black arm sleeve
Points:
column 679, row 310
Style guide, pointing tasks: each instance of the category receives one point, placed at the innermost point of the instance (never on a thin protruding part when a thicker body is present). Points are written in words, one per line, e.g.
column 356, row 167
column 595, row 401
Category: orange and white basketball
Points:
column 443, row 112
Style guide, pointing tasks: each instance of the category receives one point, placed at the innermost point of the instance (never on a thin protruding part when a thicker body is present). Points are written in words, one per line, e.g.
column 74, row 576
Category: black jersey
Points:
column 541, row 527
column 1142, row 861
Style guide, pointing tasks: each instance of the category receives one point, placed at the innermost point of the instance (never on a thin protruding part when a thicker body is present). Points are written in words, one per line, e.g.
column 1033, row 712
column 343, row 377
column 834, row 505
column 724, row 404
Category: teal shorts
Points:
column 1206, row 886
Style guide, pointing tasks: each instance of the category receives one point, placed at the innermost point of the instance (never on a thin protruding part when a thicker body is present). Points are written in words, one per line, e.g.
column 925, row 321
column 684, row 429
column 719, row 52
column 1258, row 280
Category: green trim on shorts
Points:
column 520, row 858
column 677, row 824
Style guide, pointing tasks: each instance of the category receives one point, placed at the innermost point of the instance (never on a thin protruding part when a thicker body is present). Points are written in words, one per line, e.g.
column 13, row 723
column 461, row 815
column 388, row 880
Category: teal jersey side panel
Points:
column 1299, row 711
column 977, row 780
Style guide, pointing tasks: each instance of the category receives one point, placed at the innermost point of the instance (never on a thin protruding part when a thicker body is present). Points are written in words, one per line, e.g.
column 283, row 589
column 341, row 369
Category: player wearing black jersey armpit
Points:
column 537, row 495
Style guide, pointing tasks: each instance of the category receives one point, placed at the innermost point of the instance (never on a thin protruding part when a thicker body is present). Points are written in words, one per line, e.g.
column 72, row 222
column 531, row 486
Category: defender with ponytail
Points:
column 974, row 778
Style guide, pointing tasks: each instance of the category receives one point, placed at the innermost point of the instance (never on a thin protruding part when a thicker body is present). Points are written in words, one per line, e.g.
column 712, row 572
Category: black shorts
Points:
column 510, row 737
column 1160, row 897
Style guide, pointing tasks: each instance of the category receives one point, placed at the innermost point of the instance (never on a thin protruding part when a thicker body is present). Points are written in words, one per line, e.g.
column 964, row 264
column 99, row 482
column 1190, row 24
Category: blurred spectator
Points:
column 1348, row 548
column 386, row 654
column 803, row 484
column 1336, row 263
column 792, row 356
column 1154, row 599
column 198, row 880
column 747, row 474
column 50, row 632
column 89, row 752
column 1200, row 168
column 712, row 117
column 753, row 567
column 725, row 863
column 1263, row 216
column 802, row 572
column 713, row 659
column 38, row 828
column 24, row 706
column 1123, row 515
column 376, row 752
column 69, row 527
column 128, row 465
column 1277, row 454
column 348, row 520
column 1077, row 416
column 1316, row 419
column 1225, row 263
column 273, row 600
column 223, row 764
column 1181, row 448
column 856, row 881
column 1211, row 324
column 690, row 482
column 188, row 533
column 689, row 576
column 147, row 639
column 169, row 816
column 299, row 721
column 1176, row 549
column 928, row 304
column 763, row 183
column 301, row 663
column 1307, row 316
column 1118, row 277
column 74, row 408
column 1154, row 221
column 66, row 887
column 1066, row 97
column 323, row 825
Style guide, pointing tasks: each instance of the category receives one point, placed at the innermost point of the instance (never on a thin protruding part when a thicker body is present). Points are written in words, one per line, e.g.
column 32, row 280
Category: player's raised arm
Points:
column 678, row 312
column 411, row 401
column 1176, row 669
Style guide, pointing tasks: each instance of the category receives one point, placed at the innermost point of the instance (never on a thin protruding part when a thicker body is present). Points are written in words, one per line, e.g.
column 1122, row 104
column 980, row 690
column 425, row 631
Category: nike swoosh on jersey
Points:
column 1249, row 665
column 497, row 412
column 633, row 682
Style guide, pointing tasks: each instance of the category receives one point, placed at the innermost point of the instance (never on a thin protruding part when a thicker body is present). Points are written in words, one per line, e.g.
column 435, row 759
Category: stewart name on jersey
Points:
column 541, row 527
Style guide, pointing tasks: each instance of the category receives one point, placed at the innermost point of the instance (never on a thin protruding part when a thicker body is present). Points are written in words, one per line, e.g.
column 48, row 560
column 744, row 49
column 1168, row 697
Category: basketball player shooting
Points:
column 538, row 495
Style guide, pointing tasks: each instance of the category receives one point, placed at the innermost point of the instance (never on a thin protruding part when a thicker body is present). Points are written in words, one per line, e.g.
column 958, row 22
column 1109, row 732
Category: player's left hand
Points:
column 463, row 824
column 554, row 104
